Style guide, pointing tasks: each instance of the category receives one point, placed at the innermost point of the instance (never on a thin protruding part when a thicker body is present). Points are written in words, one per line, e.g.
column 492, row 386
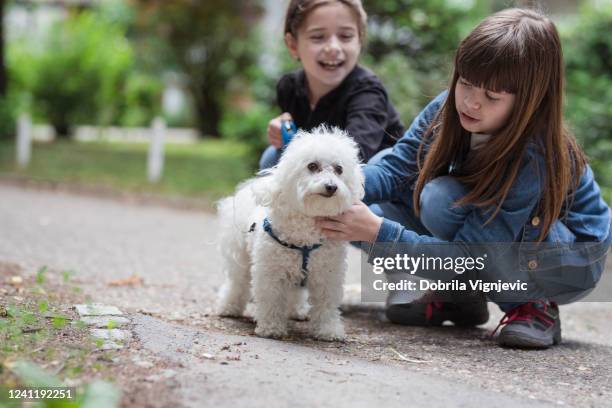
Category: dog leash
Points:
column 305, row 250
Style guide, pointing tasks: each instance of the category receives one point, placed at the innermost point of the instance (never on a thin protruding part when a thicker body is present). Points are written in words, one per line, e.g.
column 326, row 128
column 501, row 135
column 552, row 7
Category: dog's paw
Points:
column 300, row 316
column 230, row 310
column 271, row 332
column 330, row 333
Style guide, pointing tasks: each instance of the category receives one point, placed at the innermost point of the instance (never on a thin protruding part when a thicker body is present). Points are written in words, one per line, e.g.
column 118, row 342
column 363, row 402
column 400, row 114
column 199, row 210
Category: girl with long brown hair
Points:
column 490, row 161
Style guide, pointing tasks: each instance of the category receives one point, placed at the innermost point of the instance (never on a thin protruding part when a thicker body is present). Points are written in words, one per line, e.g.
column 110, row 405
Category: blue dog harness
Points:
column 305, row 250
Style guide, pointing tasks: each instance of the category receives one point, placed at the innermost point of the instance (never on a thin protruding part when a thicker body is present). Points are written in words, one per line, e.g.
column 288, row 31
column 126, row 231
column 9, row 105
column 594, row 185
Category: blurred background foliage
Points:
column 211, row 42
column 115, row 62
column 75, row 75
column 588, row 59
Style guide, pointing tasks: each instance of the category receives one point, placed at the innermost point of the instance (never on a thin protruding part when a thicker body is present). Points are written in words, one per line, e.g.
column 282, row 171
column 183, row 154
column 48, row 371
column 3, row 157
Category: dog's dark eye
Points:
column 314, row 166
column 338, row 169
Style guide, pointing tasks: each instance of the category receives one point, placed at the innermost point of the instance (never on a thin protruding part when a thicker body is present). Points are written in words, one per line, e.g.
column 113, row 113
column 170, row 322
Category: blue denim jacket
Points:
column 582, row 238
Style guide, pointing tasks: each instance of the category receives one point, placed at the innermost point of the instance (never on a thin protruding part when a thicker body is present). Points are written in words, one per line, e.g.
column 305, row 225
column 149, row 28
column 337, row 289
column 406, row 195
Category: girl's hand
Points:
column 275, row 136
column 358, row 223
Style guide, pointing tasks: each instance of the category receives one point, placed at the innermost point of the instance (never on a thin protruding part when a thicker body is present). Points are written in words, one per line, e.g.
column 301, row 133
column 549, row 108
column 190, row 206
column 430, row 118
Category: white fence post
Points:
column 155, row 163
column 24, row 140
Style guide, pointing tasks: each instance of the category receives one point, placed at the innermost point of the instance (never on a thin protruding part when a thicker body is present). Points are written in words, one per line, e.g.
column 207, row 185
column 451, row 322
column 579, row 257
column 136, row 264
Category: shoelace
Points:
column 525, row 312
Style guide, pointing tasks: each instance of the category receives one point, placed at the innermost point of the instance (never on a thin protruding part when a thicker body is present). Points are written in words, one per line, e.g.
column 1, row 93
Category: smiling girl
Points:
column 326, row 37
column 490, row 161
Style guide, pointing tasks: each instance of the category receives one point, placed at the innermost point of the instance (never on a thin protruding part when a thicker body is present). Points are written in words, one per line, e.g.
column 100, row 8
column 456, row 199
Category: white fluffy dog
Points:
column 268, row 233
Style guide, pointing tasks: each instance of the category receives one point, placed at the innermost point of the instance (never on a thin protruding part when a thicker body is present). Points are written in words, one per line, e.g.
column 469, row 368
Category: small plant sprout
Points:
column 40, row 275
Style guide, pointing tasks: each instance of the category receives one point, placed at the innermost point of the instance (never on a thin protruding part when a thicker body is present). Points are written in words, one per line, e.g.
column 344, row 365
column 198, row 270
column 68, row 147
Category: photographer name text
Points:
column 453, row 285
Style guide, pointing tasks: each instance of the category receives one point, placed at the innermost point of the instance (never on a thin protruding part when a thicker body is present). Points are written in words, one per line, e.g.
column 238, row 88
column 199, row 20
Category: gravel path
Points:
column 174, row 252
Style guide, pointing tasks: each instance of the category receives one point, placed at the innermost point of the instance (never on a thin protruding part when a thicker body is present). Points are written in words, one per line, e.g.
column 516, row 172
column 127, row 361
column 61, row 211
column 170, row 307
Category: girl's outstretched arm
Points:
column 360, row 224
column 396, row 171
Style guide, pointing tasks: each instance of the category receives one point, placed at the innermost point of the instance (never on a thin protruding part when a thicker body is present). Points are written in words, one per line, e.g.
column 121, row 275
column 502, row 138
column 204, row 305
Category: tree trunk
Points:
column 3, row 75
column 63, row 130
column 208, row 113
column 208, row 109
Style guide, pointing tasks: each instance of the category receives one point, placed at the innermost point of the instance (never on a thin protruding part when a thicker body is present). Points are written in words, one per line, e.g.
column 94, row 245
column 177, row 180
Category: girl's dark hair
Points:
column 299, row 9
column 517, row 51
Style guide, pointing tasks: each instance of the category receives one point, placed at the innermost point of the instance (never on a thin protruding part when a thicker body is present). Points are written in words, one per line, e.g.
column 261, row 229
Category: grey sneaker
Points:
column 433, row 309
column 530, row 325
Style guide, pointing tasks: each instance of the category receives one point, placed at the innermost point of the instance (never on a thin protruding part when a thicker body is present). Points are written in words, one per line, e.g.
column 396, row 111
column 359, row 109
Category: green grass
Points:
column 209, row 168
column 38, row 348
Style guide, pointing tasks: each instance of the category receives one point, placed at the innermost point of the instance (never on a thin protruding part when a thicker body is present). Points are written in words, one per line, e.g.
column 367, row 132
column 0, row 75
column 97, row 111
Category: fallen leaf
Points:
column 15, row 281
column 133, row 280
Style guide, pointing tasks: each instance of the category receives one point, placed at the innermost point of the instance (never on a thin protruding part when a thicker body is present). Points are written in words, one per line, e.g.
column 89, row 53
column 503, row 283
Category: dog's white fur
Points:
column 291, row 195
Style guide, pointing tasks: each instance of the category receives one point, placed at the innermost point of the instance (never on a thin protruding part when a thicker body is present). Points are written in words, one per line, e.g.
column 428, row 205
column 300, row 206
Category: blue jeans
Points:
column 269, row 158
column 439, row 216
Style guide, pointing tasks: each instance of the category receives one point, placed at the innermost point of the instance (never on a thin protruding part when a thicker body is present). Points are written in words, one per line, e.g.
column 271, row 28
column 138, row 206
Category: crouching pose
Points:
column 489, row 161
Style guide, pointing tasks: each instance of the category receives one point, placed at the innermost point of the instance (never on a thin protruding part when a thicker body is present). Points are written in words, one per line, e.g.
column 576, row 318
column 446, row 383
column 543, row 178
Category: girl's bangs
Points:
column 497, row 69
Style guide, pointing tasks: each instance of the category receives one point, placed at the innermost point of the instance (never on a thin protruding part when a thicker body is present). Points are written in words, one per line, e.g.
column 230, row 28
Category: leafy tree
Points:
column 76, row 74
column 211, row 42
column 423, row 30
column 588, row 57
column 7, row 108
column 3, row 76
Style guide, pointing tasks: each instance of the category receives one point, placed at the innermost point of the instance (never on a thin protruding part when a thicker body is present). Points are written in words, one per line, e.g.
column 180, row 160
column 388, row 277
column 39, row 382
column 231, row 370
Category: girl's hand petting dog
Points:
column 275, row 136
column 358, row 223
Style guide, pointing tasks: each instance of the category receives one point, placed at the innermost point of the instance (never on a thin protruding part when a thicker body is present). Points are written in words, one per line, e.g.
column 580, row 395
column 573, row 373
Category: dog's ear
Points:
column 265, row 188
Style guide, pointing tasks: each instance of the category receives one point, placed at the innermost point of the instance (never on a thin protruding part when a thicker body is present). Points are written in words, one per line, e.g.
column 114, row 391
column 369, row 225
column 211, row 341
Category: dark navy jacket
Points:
column 360, row 105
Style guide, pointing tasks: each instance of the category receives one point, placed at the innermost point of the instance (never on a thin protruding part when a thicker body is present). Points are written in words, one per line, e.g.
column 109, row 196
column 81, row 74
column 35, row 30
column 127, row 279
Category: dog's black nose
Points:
column 331, row 188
